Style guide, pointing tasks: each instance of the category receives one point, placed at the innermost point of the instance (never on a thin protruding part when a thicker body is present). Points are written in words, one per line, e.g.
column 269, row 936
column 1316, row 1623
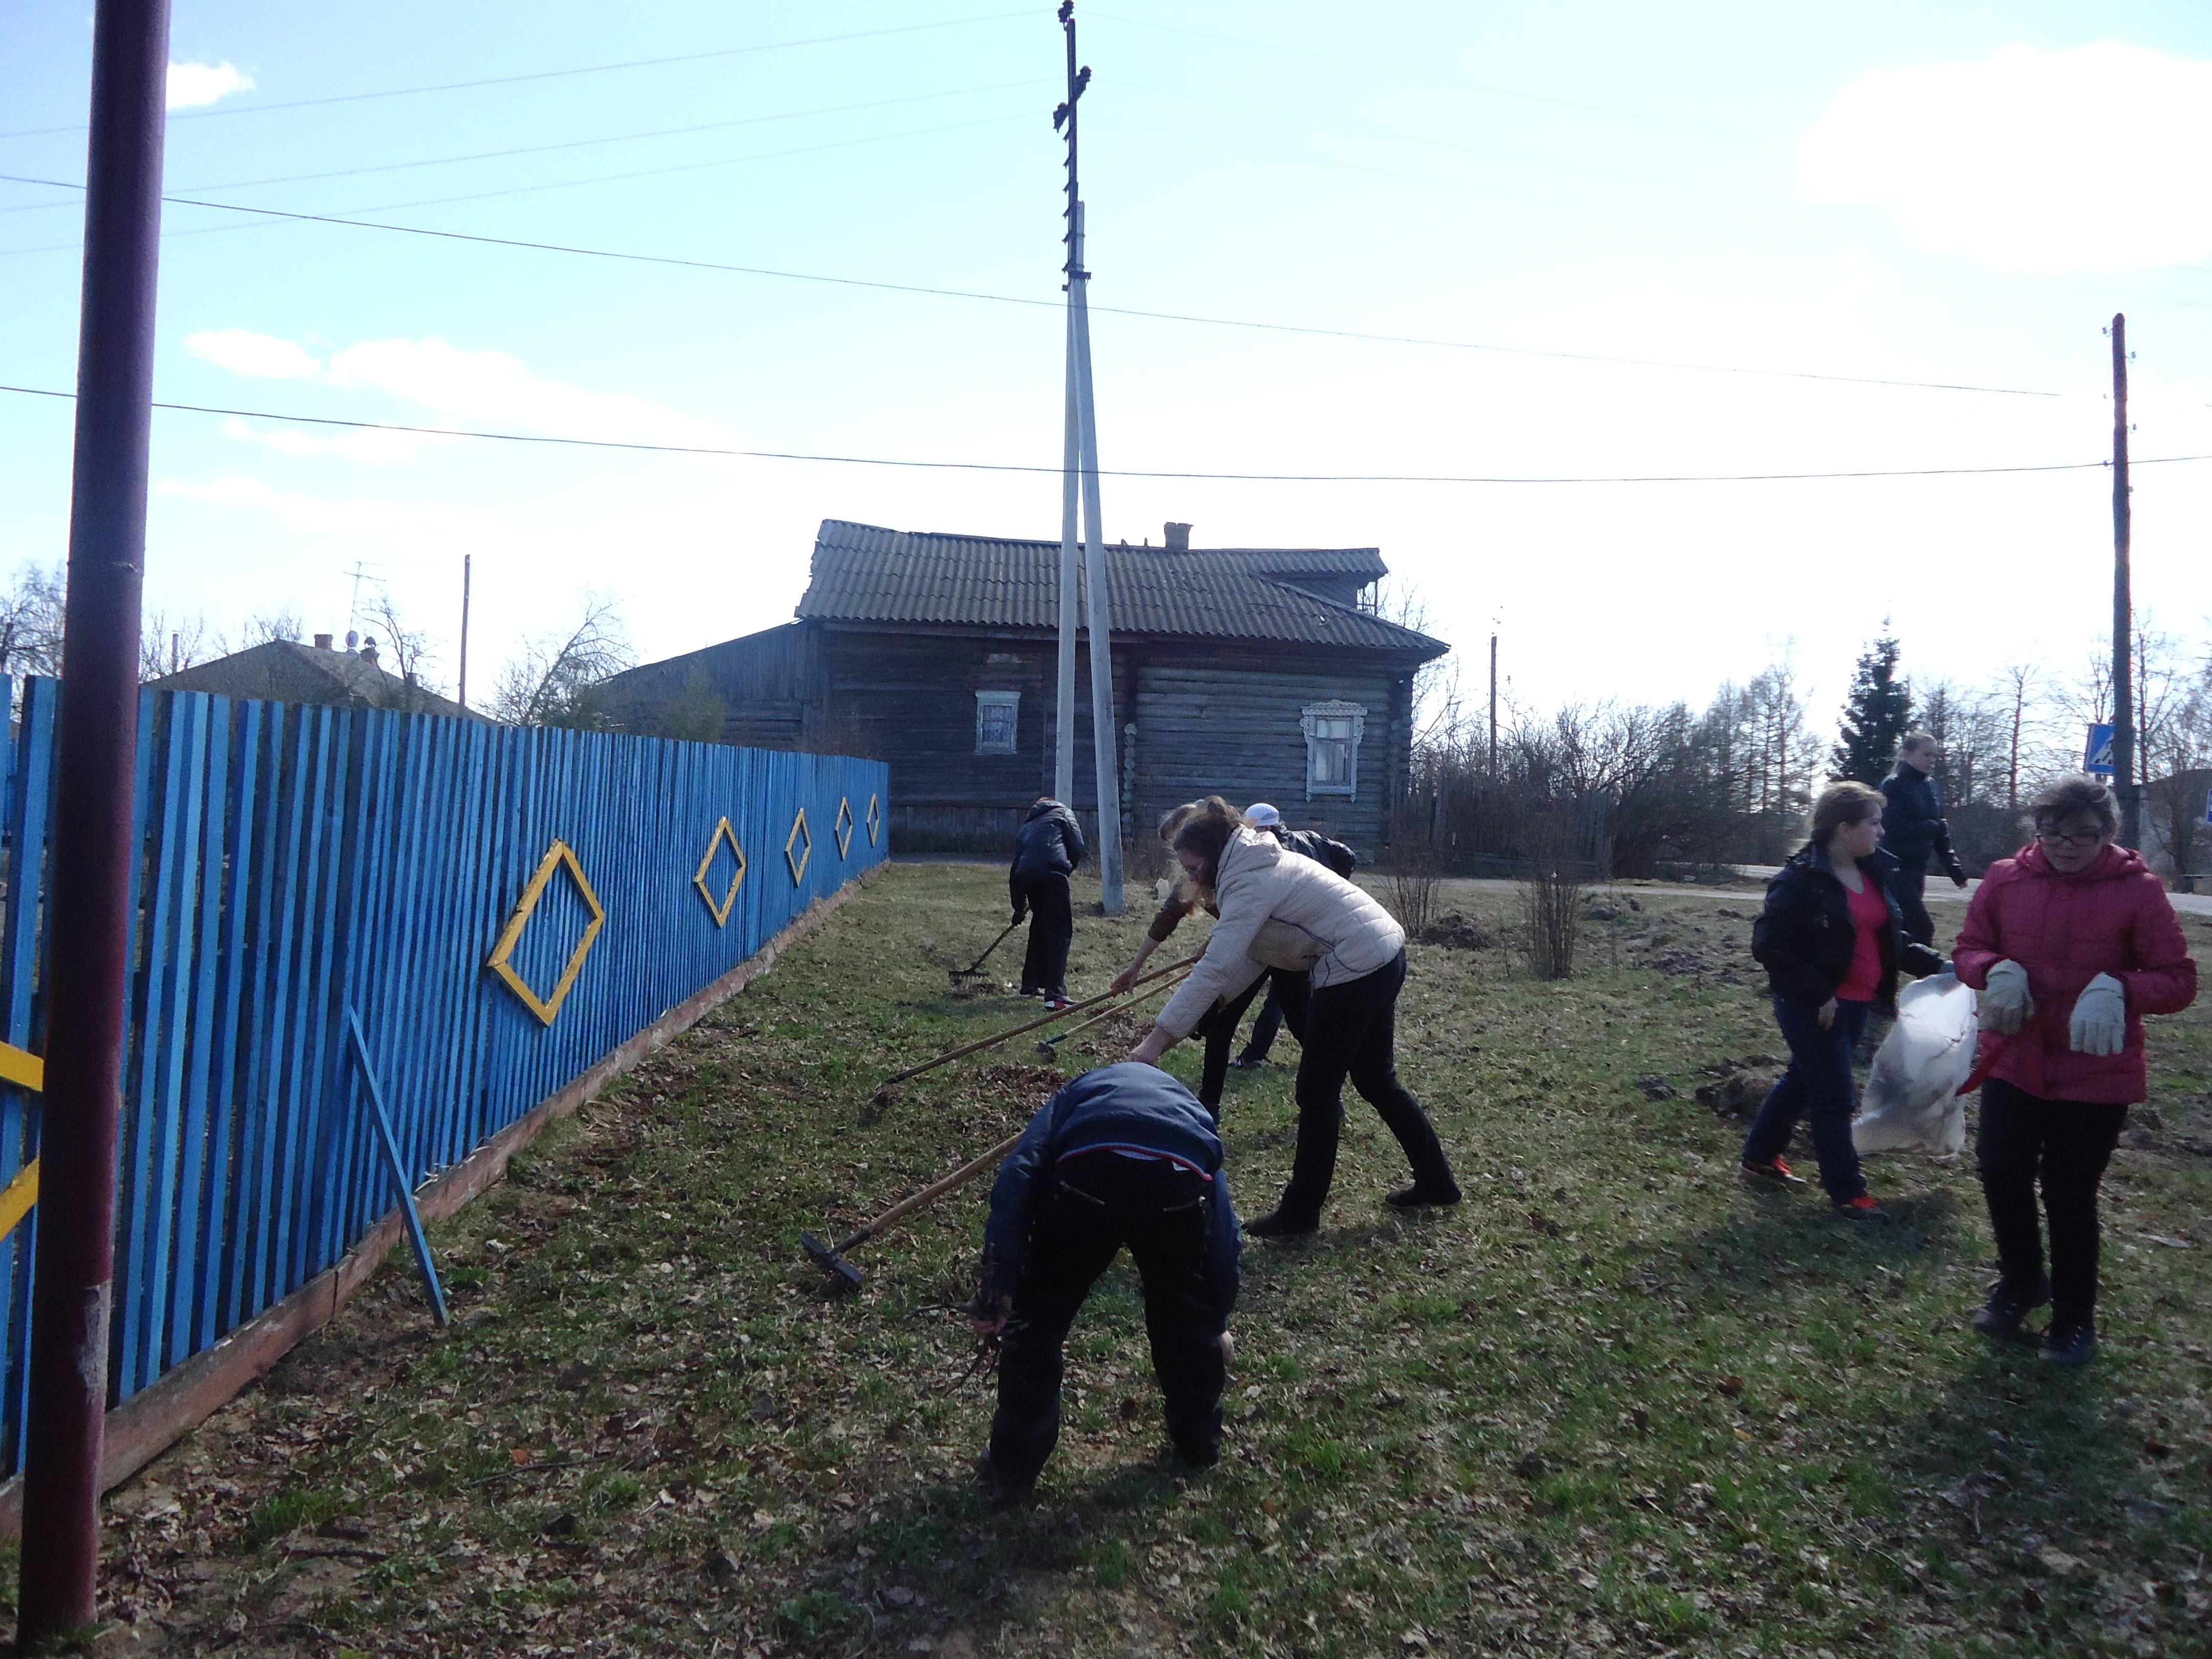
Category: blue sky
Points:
column 1962, row 194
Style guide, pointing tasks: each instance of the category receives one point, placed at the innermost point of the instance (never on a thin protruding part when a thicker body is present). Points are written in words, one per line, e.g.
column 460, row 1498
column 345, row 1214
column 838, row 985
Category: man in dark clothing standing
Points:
column 1122, row 1155
column 1914, row 833
column 1046, row 852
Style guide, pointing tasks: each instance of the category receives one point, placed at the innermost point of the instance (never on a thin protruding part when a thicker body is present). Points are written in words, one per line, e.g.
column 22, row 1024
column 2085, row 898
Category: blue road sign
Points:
column 2099, row 758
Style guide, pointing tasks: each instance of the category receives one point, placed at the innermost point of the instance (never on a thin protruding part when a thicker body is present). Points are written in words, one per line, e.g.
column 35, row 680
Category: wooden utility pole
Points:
column 1493, row 707
column 466, row 558
column 1098, row 629
column 2124, row 698
column 90, row 897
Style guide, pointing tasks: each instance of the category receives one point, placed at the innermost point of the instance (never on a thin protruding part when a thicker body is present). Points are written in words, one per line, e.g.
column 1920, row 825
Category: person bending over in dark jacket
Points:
column 1832, row 940
column 1122, row 1155
column 2070, row 942
column 1914, row 833
column 1046, row 852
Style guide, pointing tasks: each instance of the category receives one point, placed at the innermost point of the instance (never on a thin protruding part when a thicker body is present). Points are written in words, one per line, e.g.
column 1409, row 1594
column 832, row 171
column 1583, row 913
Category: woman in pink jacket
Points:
column 2070, row 944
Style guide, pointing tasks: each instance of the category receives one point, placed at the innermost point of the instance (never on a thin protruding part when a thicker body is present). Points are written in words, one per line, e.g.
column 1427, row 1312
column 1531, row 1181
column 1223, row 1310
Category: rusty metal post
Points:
column 88, row 900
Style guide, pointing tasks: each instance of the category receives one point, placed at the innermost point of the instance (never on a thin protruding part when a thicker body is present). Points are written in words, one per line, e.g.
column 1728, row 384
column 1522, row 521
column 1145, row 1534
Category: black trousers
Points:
column 1909, row 883
column 1052, row 930
column 1091, row 1206
column 1351, row 1030
column 1286, row 991
column 1265, row 1028
column 2064, row 1145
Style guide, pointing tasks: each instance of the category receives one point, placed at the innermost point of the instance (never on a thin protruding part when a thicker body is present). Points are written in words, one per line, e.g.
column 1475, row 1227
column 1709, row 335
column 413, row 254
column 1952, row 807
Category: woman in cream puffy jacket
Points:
column 1278, row 910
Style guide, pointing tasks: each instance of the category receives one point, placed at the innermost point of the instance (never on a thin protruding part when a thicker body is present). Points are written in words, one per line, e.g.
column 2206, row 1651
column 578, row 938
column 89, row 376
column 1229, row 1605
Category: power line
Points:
column 1312, row 330
column 580, row 143
column 552, row 75
column 1134, row 472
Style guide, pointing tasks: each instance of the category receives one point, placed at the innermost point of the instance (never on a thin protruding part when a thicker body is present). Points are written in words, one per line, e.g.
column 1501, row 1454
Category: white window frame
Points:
column 1012, row 702
column 1311, row 716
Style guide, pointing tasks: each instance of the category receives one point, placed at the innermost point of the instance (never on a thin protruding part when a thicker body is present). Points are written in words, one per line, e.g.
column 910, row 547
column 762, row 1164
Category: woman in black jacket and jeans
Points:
column 1831, row 940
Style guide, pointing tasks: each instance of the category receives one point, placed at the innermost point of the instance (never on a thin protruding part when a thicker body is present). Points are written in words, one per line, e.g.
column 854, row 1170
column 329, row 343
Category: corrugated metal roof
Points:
column 865, row 574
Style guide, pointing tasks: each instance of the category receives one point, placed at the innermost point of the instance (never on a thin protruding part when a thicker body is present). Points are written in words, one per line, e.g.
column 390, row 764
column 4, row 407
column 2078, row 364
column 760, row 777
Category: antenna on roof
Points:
column 1080, row 468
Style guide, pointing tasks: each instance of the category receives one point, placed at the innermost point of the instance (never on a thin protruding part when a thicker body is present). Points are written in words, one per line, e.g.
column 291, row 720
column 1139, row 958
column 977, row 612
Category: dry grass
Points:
column 1612, row 1406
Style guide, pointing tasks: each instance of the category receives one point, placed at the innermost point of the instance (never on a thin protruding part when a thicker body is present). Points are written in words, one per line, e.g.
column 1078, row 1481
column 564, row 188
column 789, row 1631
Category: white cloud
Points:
column 195, row 86
column 257, row 357
column 491, row 387
column 361, row 444
column 2094, row 158
column 313, row 512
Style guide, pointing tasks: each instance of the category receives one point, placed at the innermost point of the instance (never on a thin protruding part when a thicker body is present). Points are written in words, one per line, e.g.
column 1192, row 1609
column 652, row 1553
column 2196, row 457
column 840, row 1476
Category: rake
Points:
column 883, row 1089
column 831, row 1257
column 1051, row 1044
column 967, row 978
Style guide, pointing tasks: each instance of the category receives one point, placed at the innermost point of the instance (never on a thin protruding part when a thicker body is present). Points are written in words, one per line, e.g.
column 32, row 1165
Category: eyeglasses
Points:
column 2086, row 838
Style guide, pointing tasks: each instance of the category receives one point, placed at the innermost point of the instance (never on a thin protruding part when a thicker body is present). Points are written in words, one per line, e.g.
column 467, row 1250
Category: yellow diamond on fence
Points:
column 557, row 857
column 802, row 839
column 720, row 912
column 844, row 826
column 875, row 820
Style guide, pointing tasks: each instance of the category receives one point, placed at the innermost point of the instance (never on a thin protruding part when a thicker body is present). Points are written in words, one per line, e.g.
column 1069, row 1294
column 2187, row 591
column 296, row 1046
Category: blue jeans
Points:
column 1818, row 1085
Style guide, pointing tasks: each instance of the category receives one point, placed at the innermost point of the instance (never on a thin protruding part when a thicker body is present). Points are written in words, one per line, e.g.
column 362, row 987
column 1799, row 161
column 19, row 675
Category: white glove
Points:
column 2100, row 1017
column 2005, row 1005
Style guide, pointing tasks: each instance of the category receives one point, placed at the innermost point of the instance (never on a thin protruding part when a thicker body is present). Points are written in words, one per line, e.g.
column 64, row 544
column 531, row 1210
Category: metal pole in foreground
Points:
column 2123, row 695
column 88, row 914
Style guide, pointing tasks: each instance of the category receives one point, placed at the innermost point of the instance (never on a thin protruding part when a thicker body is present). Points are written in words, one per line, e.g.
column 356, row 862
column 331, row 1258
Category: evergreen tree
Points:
column 1876, row 715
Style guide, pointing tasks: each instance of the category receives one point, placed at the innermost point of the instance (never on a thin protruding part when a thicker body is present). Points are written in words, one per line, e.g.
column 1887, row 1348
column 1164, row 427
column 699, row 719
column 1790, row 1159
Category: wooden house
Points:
column 1260, row 674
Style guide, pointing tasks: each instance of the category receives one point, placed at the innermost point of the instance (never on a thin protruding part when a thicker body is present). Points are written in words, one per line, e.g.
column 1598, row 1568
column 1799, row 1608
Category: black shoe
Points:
column 998, row 1487
column 2071, row 1339
column 1422, row 1196
column 1187, row 1459
column 1281, row 1223
column 2008, row 1305
column 1246, row 1063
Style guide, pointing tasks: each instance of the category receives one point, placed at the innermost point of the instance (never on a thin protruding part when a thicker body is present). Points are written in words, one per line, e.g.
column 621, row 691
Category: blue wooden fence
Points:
column 298, row 860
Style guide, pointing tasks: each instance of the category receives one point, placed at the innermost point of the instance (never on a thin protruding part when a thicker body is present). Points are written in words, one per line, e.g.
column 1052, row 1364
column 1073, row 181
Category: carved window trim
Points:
column 997, row 733
column 1320, row 745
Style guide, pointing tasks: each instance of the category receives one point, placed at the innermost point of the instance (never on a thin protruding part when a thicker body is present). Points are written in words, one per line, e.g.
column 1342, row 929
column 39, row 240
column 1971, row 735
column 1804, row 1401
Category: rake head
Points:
column 830, row 1259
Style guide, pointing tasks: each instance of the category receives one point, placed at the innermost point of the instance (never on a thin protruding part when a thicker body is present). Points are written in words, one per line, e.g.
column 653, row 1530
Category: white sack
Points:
column 1911, row 1102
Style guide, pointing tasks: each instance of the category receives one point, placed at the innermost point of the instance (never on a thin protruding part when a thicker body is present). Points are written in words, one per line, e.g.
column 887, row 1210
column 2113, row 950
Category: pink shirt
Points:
column 1870, row 915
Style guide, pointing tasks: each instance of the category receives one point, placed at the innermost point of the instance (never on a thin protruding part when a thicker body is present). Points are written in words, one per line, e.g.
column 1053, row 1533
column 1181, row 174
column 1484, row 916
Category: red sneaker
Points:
column 1862, row 1208
column 1774, row 1170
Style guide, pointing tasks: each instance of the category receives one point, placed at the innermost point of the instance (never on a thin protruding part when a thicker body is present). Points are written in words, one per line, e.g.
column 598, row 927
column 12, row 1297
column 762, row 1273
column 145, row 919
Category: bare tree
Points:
column 265, row 626
column 552, row 682
column 408, row 647
column 167, row 646
column 31, row 621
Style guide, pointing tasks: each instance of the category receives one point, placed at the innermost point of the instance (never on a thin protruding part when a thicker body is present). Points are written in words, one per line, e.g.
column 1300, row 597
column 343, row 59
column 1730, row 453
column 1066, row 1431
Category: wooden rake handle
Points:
column 1179, row 972
column 937, row 1190
column 981, row 1043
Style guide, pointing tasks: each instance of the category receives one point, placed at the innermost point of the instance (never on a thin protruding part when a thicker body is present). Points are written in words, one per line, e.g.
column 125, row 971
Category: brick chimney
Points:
column 1178, row 538
column 322, row 641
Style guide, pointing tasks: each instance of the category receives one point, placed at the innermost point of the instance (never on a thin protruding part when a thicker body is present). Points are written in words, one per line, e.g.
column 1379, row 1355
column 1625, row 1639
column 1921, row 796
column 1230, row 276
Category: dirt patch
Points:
column 1740, row 1085
column 1455, row 930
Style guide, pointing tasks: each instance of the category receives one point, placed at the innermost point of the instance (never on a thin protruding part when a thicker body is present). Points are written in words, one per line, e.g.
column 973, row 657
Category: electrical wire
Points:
column 1136, row 472
column 576, row 143
column 554, row 75
column 1307, row 330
